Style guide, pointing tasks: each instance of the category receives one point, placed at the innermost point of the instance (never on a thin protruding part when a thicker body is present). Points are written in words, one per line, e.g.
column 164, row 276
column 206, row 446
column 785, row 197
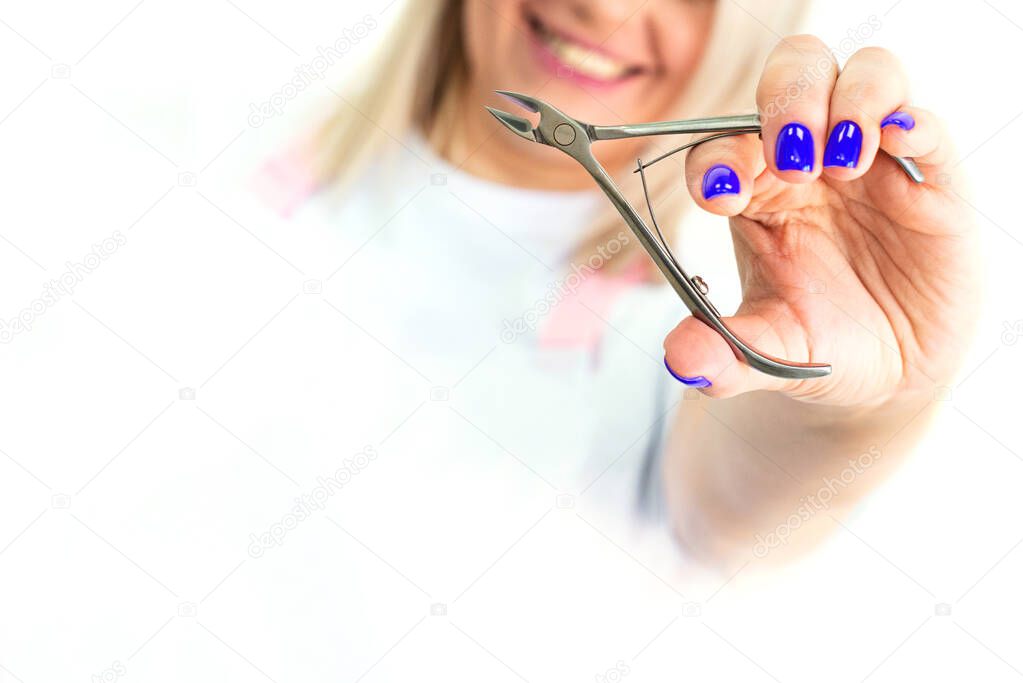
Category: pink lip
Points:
column 552, row 63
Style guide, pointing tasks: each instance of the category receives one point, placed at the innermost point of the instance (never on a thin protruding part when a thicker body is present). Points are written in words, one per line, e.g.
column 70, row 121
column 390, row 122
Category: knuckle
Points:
column 874, row 55
column 861, row 90
column 807, row 87
column 801, row 67
column 802, row 43
column 866, row 92
column 779, row 88
column 881, row 62
column 802, row 50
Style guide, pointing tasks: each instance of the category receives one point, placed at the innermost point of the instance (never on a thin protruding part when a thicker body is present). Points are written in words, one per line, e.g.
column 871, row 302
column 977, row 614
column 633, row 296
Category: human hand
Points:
column 843, row 258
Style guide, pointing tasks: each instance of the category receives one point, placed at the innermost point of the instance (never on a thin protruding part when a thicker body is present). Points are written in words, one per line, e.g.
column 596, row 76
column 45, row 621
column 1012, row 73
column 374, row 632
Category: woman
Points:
column 841, row 257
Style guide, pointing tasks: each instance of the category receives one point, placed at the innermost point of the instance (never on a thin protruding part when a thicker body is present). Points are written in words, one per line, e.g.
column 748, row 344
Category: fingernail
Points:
column 843, row 148
column 794, row 149
column 719, row 180
column 900, row 119
column 698, row 382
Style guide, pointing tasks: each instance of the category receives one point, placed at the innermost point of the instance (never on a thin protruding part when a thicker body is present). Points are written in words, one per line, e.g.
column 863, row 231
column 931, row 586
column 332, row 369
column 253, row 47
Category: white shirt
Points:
column 308, row 438
column 495, row 455
column 458, row 264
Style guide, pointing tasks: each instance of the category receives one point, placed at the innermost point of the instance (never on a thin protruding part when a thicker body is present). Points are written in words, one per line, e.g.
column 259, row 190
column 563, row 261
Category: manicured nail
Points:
column 843, row 148
column 794, row 149
column 698, row 382
column 719, row 180
column 900, row 119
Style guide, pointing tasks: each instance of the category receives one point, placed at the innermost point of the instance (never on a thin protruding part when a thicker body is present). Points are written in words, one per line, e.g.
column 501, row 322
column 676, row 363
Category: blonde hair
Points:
column 406, row 88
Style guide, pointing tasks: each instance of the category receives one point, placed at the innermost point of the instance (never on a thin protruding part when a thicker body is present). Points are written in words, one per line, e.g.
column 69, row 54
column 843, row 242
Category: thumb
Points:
column 696, row 355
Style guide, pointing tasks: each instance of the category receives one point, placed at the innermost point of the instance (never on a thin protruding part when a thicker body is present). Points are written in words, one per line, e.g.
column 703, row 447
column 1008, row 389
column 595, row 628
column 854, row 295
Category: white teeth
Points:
column 582, row 60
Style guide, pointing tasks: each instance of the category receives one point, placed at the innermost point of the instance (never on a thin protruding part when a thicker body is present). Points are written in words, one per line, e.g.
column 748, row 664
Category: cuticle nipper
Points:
column 574, row 138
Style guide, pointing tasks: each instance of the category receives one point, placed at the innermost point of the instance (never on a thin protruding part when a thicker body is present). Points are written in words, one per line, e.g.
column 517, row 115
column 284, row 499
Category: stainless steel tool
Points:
column 574, row 138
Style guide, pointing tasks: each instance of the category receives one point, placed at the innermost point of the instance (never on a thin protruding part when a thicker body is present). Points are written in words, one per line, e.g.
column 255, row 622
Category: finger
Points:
column 920, row 135
column 793, row 98
column 720, row 173
column 871, row 86
column 699, row 357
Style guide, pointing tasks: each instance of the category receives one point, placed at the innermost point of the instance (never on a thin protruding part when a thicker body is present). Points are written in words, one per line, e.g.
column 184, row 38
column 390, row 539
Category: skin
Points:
column 858, row 267
column 662, row 39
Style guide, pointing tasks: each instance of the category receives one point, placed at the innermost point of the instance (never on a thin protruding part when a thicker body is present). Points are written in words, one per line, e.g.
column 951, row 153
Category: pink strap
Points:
column 285, row 181
column 573, row 324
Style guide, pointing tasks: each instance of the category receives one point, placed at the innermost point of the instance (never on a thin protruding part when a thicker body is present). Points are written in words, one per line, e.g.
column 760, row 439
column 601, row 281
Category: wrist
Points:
column 878, row 421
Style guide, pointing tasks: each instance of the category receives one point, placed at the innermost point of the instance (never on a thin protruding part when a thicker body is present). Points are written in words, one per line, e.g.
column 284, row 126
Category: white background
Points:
column 109, row 108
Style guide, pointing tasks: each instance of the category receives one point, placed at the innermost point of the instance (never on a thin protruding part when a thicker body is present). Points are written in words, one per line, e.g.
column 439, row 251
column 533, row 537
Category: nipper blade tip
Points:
column 524, row 101
column 515, row 124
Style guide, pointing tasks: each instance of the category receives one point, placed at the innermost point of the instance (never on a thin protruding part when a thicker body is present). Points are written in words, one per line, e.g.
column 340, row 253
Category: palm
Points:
column 843, row 258
column 871, row 275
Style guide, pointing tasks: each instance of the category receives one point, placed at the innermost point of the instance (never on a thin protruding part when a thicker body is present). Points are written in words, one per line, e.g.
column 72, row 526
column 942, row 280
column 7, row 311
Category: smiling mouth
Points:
column 582, row 59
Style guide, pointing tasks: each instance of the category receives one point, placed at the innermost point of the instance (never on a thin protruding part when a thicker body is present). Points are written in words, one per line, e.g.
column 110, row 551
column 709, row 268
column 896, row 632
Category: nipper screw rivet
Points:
column 564, row 134
column 700, row 284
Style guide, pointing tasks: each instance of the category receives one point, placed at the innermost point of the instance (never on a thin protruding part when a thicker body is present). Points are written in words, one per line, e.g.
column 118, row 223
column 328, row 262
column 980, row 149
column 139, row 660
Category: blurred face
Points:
column 601, row 61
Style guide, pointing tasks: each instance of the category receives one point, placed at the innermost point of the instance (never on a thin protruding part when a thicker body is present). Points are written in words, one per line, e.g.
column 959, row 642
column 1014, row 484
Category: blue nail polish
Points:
column 698, row 382
column 900, row 119
column 843, row 148
column 794, row 149
column 719, row 180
